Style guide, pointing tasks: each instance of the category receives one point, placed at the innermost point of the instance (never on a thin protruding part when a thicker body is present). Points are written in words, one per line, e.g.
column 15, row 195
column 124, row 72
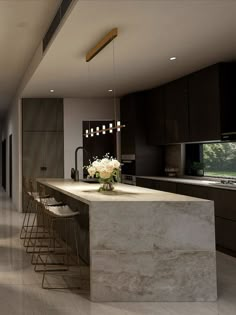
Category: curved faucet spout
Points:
column 76, row 178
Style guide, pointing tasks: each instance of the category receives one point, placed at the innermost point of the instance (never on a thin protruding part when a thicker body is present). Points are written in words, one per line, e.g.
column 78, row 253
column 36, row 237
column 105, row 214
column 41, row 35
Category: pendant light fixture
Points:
column 89, row 56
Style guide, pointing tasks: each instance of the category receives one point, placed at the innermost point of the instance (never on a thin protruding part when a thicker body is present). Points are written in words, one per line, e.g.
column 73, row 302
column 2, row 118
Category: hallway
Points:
column 21, row 292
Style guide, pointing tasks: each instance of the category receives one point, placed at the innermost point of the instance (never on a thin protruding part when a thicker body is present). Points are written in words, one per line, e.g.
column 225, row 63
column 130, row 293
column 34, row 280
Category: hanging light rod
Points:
column 102, row 44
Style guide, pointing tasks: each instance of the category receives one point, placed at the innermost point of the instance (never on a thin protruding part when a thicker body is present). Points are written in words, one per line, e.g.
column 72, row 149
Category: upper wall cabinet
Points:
column 44, row 114
column 176, row 110
column 228, row 99
column 204, row 105
column 155, row 116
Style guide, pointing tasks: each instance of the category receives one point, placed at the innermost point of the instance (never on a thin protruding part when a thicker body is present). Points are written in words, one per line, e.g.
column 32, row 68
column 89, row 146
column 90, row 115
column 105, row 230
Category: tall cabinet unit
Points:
column 176, row 111
column 148, row 158
column 42, row 138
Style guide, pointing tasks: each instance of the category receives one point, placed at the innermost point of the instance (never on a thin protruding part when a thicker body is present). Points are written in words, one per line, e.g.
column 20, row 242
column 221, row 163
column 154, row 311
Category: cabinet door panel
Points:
column 33, row 154
column 53, row 114
column 146, row 183
column 43, row 154
column 168, row 186
column 54, row 154
column 176, row 107
column 192, row 190
column 225, row 201
column 226, row 233
column 184, row 189
column 128, row 118
column 204, row 105
column 32, row 115
column 42, row 114
column 155, row 116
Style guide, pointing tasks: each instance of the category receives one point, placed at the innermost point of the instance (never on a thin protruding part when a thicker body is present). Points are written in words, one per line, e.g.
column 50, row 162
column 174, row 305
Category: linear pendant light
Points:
column 89, row 56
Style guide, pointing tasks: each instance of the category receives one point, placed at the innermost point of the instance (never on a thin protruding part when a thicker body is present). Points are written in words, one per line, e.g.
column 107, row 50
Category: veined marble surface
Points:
column 147, row 245
column 88, row 193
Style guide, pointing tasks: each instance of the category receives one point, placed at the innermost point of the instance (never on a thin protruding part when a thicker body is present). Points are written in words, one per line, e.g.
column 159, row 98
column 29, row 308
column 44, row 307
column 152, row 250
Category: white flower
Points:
column 104, row 174
column 115, row 163
column 105, row 161
column 96, row 164
column 92, row 171
column 109, row 167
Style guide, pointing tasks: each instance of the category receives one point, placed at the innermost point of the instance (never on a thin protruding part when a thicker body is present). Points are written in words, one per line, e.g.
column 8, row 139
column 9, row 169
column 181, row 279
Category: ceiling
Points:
column 22, row 26
column 197, row 32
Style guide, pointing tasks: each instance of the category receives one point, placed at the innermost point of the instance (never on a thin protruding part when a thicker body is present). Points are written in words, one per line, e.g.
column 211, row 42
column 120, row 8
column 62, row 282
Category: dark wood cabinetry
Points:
column 225, row 235
column 155, row 115
column 196, row 108
column 192, row 190
column 228, row 99
column 148, row 158
column 167, row 186
column 147, row 183
column 176, row 111
column 128, row 114
column 204, row 105
column 43, row 114
column 42, row 138
column 225, row 201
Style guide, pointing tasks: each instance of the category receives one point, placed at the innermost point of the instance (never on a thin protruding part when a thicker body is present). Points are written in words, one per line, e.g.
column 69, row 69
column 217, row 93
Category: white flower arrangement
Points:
column 107, row 170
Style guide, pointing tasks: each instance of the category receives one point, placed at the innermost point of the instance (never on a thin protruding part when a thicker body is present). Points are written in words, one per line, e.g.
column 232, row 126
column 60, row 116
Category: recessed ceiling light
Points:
column 110, row 90
column 172, row 58
column 51, row 91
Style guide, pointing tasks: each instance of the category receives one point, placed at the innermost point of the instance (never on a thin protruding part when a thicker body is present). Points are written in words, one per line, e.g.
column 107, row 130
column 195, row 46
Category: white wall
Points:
column 75, row 111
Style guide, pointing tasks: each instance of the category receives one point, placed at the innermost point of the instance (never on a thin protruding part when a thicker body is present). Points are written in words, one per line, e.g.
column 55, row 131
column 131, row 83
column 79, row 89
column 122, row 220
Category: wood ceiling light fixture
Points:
column 102, row 44
column 89, row 56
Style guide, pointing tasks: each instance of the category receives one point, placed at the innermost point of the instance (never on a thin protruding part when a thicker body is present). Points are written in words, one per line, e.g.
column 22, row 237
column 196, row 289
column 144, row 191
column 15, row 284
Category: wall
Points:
column 13, row 126
column 75, row 111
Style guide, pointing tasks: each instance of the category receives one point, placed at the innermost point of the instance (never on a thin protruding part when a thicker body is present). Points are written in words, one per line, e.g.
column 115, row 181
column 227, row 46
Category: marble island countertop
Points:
column 88, row 192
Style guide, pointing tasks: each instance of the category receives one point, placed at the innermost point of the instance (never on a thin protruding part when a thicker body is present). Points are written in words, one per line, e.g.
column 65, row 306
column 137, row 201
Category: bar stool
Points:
column 66, row 216
column 36, row 231
column 28, row 195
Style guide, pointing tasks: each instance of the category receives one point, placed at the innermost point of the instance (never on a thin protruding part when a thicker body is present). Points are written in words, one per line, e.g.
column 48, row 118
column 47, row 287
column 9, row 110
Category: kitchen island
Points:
column 146, row 245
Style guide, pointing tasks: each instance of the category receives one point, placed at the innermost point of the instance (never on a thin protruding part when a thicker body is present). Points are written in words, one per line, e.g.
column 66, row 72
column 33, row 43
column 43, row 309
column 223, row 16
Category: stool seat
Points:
column 49, row 201
column 35, row 194
column 62, row 211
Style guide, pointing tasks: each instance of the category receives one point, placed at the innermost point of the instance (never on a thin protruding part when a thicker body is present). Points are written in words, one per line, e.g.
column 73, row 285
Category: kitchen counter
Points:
column 88, row 192
column 147, row 245
column 191, row 181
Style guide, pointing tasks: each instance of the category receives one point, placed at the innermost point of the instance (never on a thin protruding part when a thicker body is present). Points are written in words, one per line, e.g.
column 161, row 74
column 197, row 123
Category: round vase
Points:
column 106, row 186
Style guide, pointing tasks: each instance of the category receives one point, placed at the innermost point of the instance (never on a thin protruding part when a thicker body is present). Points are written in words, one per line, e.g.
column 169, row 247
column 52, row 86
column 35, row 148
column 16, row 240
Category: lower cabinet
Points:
column 147, row 183
column 193, row 191
column 224, row 201
column 167, row 186
column 225, row 233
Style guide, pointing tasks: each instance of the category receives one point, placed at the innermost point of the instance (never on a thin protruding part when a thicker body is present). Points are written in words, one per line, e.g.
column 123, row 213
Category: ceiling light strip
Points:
column 102, row 44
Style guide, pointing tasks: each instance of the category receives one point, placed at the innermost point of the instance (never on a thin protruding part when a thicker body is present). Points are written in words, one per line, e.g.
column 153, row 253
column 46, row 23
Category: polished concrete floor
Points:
column 21, row 292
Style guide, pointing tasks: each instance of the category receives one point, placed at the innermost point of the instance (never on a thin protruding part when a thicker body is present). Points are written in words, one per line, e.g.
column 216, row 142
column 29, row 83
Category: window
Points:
column 219, row 159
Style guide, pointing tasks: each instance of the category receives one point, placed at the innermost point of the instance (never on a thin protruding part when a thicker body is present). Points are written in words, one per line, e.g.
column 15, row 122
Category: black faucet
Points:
column 75, row 171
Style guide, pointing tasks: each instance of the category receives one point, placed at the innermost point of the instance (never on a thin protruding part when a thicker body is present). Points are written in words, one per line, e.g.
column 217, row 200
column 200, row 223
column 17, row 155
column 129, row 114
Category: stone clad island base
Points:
column 147, row 245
